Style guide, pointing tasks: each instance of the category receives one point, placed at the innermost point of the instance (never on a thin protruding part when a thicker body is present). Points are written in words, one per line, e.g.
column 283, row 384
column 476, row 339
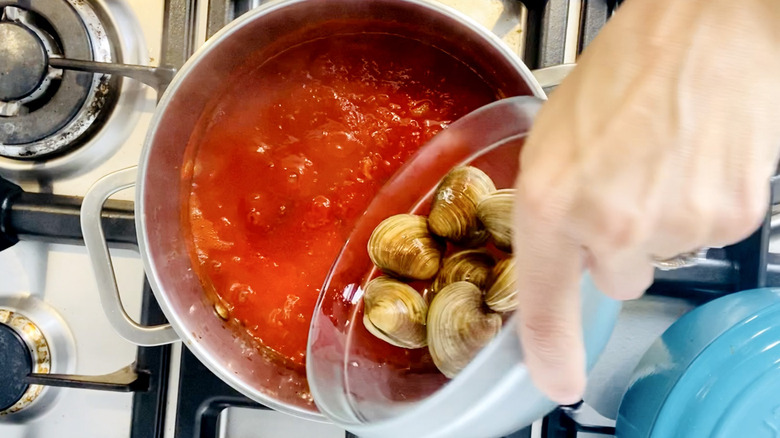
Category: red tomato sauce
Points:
column 292, row 155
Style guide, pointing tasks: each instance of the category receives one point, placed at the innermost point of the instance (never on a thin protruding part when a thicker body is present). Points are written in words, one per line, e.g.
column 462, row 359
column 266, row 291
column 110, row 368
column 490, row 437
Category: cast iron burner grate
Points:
column 45, row 110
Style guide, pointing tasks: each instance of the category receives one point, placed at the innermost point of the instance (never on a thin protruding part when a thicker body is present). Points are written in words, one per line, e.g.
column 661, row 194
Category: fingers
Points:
column 549, row 268
column 623, row 276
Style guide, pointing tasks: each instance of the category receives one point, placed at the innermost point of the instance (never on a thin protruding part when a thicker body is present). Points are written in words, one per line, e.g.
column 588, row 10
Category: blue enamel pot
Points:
column 714, row 373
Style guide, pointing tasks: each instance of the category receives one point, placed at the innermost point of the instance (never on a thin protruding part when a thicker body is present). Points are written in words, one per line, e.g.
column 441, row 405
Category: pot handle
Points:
column 97, row 249
column 551, row 77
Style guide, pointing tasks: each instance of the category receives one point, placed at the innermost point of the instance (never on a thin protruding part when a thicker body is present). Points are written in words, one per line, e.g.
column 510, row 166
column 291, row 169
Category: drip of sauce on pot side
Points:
column 292, row 155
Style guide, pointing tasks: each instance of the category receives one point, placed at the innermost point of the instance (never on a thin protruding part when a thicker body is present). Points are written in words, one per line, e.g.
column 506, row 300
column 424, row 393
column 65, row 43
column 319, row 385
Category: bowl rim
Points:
column 506, row 343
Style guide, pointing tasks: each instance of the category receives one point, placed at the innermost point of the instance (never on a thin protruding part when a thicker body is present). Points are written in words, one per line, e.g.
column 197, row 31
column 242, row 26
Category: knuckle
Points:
column 533, row 191
column 624, row 280
column 538, row 203
column 697, row 210
column 690, row 225
column 754, row 211
column 529, row 200
column 737, row 223
column 636, row 286
column 617, row 227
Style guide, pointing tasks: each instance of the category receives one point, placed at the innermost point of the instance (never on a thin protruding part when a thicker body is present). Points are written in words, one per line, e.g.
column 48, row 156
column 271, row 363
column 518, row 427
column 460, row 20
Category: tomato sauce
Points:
column 292, row 155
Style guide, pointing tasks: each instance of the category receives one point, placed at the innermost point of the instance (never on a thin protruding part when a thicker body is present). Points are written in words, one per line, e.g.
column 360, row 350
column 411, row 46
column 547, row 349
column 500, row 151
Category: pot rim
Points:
column 176, row 320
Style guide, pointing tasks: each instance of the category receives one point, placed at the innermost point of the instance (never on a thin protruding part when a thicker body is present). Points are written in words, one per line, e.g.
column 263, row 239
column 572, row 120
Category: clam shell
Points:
column 472, row 265
column 394, row 312
column 495, row 213
column 502, row 294
column 454, row 208
column 458, row 327
column 402, row 246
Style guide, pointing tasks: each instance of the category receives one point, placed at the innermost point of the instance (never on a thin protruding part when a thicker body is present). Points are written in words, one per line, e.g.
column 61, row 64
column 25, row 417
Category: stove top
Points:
column 66, row 121
column 45, row 277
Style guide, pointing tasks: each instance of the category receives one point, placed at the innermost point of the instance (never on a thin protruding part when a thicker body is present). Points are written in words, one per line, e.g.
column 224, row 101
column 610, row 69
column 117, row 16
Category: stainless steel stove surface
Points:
column 62, row 128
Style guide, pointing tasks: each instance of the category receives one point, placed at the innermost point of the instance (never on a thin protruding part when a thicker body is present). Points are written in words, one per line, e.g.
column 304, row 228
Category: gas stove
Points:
column 79, row 80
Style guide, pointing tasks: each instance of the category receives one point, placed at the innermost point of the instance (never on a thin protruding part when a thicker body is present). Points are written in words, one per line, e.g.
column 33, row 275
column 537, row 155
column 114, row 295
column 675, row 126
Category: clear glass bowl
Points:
column 375, row 389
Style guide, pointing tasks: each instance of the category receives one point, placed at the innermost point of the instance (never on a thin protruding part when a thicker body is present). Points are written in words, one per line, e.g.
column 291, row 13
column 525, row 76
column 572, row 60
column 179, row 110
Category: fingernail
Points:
column 568, row 398
column 565, row 391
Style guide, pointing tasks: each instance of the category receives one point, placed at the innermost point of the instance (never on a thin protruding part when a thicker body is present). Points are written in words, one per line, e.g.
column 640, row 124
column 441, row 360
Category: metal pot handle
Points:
column 97, row 248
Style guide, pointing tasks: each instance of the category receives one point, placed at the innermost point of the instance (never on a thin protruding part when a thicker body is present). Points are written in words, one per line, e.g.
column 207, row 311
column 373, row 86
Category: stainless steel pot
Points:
column 256, row 36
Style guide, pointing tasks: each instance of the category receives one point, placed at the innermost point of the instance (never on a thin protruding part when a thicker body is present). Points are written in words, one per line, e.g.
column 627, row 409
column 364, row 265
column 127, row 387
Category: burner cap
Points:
column 22, row 62
column 16, row 363
column 45, row 111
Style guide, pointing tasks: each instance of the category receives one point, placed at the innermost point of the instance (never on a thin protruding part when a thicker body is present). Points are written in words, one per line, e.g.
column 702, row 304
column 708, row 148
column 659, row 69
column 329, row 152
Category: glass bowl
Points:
column 374, row 389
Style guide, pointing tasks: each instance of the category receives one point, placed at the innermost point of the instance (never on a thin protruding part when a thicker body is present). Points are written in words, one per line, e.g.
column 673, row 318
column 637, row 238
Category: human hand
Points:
column 661, row 141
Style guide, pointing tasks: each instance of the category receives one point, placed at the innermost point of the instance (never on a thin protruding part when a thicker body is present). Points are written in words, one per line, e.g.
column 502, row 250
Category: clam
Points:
column 472, row 265
column 454, row 208
column 394, row 312
column 458, row 326
column 502, row 294
column 402, row 246
column 495, row 213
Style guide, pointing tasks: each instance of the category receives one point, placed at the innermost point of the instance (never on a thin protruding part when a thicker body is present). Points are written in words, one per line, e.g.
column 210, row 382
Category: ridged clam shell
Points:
column 402, row 246
column 458, row 326
column 395, row 312
column 502, row 294
column 495, row 213
column 454, row 207
column 472, row 265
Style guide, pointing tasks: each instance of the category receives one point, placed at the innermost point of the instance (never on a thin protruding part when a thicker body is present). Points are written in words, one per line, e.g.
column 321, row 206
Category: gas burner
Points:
column 33, row 339
column 44, row 110
column 24, row 58
column 23, row 350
